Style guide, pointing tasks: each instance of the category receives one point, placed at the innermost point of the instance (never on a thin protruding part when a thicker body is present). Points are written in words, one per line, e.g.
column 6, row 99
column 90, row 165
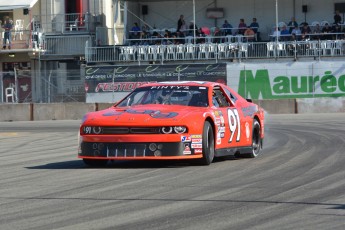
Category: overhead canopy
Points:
column 16, row 4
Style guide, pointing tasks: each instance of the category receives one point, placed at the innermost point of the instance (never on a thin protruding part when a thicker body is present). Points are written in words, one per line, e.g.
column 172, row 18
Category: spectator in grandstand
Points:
column 206, row 30
column 276, row 34
column 255, row 27
column 180, row 22
column 192, row 27
column 135, row 31
column 317, row 29
column 242, row 26
column 292, row 24
column 145, row 28
column 336, row 29
column 183, row 29
column 305, row 29
column 297, row 32
column 1, row 30
column 217, row 34
column 337, row 17
column 249, row 34
column 284, row 33
column 8, row 25
column 227, row 28
column 201, row 36
column 179, row 37
column 326, row 30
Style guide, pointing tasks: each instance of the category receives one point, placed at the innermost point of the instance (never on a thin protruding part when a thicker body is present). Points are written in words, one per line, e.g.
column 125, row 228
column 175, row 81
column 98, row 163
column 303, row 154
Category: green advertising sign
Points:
column 260, row 85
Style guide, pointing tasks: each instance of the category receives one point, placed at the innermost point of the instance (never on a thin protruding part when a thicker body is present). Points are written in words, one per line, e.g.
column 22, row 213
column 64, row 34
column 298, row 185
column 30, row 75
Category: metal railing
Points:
column 217, row 52
column 65, row 45
column 63, row 23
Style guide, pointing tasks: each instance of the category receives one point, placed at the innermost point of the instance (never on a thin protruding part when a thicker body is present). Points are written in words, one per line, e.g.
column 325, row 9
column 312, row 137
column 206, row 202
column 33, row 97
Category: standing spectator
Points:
column 242, row 26
column 7, row 35
column 337, row 17
column 227, row 28
column 180, row 22
column 292, row 24
column 255, row 27
column 183, row 29
column 1, row 31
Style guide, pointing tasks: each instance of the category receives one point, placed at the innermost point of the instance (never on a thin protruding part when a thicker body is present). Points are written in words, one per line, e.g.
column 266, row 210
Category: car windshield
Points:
column 168, row 95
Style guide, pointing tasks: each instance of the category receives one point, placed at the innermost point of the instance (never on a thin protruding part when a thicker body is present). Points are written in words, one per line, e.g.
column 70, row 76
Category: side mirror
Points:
column 249, row 100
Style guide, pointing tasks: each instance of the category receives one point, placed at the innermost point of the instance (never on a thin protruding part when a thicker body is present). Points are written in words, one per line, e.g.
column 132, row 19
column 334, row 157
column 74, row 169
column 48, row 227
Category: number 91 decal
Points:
column 234, row 124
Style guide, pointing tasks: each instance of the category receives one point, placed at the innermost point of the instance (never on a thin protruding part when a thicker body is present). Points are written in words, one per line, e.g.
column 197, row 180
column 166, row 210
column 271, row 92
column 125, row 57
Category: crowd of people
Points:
column 304, row 31
column 285, row 32
column 146, row 35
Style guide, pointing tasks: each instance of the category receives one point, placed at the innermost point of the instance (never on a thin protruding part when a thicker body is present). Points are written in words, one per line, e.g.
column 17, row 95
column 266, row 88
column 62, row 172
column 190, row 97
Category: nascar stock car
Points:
column 173, row 120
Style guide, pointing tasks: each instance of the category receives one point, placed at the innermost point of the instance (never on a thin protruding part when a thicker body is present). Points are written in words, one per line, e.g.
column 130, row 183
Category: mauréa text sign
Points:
column 260, row 84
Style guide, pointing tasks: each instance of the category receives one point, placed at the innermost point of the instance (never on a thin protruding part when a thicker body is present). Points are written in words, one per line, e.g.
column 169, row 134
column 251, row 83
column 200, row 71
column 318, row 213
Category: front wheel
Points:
column 207, row 144
column 95, row 162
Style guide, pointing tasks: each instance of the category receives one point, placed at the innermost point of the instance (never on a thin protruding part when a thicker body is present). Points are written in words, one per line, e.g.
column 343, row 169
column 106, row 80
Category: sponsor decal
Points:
column 196, row 146
column 247, row 130
column 196, row 136
column 186, row 139
column 260, row 84
column 234, row 124
column 249, row 111
column 153, row 113
column 186, row 150
column 219, row 140
column 197, row 140
column 197, row 150
column 118, row 86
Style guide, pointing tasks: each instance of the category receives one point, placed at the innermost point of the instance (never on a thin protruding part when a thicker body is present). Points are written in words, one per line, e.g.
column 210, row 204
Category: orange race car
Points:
column 173, row 120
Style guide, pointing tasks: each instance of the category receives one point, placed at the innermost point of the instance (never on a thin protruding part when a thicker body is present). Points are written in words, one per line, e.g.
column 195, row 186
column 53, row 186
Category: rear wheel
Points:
column 256, row 137
column 207, row 144
column 95, row 162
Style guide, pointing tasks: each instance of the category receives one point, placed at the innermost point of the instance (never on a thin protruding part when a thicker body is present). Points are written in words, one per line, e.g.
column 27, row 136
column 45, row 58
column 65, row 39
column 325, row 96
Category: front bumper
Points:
column 138, row 150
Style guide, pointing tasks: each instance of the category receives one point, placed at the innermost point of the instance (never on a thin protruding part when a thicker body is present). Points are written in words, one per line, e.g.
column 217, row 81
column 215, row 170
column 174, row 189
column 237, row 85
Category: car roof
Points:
column 185, row 83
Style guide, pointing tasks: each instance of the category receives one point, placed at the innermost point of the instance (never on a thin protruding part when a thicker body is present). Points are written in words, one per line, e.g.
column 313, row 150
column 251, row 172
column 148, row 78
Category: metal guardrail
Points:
column 213, row 51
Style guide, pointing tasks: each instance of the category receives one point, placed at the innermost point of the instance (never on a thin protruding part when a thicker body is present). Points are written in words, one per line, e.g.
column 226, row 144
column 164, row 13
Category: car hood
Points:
column 143, row 115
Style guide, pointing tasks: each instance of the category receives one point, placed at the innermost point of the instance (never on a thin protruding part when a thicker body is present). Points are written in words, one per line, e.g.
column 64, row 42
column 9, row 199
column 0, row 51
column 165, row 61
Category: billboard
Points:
column 111, row 83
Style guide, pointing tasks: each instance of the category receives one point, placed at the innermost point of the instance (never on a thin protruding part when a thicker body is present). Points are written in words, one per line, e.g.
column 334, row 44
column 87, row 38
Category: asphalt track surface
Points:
column 297, row 183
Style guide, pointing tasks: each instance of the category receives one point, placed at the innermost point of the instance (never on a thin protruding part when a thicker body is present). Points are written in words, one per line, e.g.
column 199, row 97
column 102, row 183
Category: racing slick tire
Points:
column 95, row 162
column 207, row 144
column 256, row 140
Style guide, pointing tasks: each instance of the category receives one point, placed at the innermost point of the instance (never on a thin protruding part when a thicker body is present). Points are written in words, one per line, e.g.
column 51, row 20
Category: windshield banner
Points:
column 127, row 78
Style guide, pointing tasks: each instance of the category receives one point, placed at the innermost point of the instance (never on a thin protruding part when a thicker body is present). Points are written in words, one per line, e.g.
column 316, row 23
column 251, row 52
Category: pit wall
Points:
column 75, row 111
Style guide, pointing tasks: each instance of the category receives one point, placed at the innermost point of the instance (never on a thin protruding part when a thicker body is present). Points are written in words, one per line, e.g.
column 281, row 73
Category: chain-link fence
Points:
column 51, row 86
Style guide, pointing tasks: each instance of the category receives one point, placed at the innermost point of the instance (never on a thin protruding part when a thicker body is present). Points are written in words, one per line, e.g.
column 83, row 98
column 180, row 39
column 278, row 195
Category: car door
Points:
column 231, row 125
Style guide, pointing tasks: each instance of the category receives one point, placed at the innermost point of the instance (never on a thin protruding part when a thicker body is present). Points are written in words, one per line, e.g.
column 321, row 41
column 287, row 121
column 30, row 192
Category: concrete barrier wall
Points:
column 75, row 111
column 15, row 112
